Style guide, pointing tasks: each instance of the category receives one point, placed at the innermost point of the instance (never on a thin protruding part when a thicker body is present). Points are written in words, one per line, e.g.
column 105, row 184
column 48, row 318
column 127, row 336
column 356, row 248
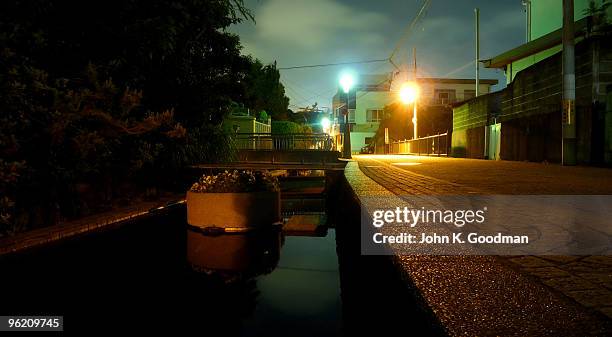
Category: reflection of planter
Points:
column 233, row 209
column 253, row 253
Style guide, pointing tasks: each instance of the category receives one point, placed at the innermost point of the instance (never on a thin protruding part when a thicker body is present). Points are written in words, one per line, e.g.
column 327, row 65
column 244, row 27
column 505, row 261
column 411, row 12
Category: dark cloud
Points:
column 298, row 32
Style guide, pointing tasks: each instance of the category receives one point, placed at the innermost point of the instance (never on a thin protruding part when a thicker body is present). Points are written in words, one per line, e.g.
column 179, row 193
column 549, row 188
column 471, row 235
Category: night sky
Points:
column 304, row 32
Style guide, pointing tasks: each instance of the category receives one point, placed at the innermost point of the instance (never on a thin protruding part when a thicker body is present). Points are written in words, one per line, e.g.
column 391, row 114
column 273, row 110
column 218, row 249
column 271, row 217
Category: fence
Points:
column 284, row 142
column 263, row 127
column 436, row 145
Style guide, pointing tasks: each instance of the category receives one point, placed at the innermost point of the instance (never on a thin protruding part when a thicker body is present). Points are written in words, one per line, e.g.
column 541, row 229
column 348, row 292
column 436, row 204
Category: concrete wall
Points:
column 517, row 66
column 530, row 110
column 469, row 121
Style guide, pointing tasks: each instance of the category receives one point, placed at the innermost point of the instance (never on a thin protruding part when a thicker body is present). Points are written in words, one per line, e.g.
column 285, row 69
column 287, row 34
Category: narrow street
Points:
column 489, row 176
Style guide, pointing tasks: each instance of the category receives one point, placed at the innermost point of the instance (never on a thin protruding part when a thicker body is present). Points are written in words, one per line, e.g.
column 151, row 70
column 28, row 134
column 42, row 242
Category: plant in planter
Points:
column 235, row 199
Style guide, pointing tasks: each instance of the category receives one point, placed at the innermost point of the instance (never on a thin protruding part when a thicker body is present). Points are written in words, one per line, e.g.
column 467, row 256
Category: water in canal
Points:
column 269, row 283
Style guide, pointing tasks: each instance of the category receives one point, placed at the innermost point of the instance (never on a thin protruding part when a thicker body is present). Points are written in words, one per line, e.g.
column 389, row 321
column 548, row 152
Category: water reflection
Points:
column 236, row 255
column 246, row 283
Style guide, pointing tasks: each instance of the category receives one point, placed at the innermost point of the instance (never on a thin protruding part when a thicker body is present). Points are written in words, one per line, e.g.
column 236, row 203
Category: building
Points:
column 366, row 102
column 523, row 121
column 365, row 106
column 544, row 20
column 244, row 123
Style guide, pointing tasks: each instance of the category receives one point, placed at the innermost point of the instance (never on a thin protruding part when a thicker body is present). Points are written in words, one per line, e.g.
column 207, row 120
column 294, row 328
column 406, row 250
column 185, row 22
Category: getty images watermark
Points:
column 493, row 225
column 459, row 218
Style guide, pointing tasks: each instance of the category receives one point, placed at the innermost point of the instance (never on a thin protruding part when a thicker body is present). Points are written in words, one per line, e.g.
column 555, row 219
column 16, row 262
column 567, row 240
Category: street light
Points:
column 409, row 93
column 346, row 82
column 325, row 123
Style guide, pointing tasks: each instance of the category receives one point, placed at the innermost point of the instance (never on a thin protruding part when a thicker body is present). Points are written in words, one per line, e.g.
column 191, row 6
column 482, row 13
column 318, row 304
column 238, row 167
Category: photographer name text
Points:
column 453, row 238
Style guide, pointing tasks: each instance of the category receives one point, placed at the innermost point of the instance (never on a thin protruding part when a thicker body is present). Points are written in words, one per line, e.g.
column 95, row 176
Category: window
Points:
column 374, row 115
column 444, row 96
column 469, row 94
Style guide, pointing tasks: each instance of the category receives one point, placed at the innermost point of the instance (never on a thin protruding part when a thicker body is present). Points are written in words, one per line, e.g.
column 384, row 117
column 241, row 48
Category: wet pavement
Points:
column 483, row 295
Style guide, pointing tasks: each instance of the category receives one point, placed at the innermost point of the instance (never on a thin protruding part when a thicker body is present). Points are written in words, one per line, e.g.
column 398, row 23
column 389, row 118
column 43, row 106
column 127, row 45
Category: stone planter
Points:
column 233, row 210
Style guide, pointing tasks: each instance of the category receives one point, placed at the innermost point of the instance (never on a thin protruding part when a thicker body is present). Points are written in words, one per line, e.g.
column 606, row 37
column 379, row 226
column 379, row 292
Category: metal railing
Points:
column 284, row 142
column 436, row 145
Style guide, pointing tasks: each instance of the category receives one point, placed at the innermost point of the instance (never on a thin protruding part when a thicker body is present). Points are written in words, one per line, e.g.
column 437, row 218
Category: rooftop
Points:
column 457, row 80
column 535, row 46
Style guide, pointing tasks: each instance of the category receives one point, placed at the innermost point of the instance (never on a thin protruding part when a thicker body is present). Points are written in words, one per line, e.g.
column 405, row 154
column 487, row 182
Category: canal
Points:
column 297, row 282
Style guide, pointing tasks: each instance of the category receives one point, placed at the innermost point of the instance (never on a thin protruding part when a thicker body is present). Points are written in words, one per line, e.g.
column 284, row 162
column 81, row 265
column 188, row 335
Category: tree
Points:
column 176, row 51
column 263, row 116
column 104, row 93
column 263, row 90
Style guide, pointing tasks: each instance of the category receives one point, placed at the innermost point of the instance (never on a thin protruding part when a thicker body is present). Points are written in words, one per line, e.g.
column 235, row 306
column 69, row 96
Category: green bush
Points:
column 287, row 127
column 263, row 116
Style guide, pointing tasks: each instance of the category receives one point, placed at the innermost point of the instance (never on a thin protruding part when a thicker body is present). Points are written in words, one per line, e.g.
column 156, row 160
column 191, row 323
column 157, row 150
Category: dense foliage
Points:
column 101, row 99
column 264, row 90
column 286, row 127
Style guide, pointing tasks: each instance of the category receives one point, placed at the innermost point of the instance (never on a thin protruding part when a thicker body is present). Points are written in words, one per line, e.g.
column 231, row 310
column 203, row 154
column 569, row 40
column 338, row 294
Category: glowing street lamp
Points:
column 325, row 124
column 409, row 93
column 346, row 82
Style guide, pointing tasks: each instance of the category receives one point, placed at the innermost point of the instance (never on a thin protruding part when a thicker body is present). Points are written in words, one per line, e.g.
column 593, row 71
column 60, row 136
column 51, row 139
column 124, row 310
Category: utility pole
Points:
column 477, row 17
column 568, row 119
column 485, row 154
column 347, row 129
column 414, row 104
column 527, row 4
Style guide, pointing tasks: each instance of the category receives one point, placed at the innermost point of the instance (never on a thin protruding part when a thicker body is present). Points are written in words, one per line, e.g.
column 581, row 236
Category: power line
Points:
column 458, row 69
column 296, row 85
column 409, row 29
column 295, row 92
column 331, row 64
column 330, row 92
column 401, row 41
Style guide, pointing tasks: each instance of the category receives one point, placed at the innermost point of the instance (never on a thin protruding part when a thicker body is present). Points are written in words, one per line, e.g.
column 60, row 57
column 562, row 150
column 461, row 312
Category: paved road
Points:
column 584, row 279
column 505, row 177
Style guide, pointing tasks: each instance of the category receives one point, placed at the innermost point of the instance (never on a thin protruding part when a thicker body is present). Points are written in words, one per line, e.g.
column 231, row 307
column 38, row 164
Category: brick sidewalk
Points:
column 505, row 177
column 587, row 280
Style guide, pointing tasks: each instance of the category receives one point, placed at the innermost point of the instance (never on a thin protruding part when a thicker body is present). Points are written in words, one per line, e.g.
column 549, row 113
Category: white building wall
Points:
column 370, row 100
